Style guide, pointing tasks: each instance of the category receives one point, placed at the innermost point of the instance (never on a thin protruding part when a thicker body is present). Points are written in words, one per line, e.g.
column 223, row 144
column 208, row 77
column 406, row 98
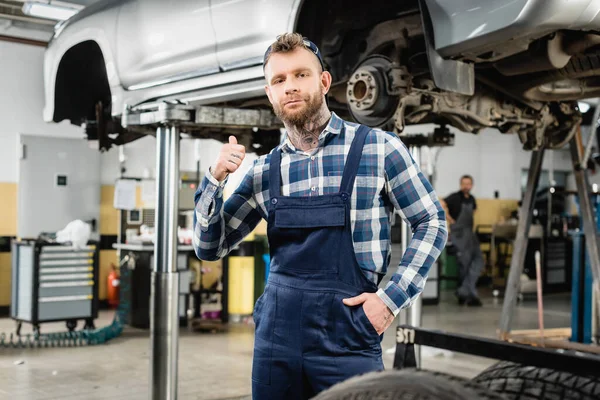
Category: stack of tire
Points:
column 504, row 380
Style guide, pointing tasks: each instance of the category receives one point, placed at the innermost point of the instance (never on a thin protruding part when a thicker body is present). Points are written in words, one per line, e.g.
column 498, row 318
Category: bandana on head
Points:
column 308, row 44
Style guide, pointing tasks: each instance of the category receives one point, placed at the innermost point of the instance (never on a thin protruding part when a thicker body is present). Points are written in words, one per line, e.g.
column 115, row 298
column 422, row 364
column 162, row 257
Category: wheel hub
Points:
column 370, row 98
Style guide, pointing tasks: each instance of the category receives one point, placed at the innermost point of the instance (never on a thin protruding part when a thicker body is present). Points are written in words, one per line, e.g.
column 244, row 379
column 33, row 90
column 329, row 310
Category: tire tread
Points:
column 408, row 384
column 519, row 382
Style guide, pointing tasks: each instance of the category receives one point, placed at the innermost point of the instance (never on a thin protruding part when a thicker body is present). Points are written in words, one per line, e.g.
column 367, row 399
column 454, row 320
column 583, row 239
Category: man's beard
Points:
column 298, row 118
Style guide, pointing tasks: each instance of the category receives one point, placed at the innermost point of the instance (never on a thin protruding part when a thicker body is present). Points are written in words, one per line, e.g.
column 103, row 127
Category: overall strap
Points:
column 275, row 174
column 353, row 159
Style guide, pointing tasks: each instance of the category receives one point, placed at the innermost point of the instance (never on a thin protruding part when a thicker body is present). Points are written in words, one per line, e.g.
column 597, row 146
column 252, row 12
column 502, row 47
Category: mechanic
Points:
column 327, row 192
column 460, row 210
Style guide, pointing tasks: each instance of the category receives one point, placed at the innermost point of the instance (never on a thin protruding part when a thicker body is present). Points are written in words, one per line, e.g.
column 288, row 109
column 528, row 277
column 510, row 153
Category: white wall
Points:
column 140, row 159
column 21, row 106
column 494, row 160
column 22, row 102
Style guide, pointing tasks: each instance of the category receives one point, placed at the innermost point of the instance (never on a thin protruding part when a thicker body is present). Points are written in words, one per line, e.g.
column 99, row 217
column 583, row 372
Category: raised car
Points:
column 519, row 66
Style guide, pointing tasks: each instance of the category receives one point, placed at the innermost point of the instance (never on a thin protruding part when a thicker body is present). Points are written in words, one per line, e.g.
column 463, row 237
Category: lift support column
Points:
column 525, row 214
column 164, row 317
column 441, row 137
column 167, row 120
column 587, row 209
column 513, row 283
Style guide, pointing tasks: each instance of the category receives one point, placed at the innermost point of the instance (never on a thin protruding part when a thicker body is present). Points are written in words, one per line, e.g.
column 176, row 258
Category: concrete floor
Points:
column 217, row 366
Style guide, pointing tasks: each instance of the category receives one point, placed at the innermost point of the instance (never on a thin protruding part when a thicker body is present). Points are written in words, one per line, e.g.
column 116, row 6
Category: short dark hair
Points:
column 469, row 177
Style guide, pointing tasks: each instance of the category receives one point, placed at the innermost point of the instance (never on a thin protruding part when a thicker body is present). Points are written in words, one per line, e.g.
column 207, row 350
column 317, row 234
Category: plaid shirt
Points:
column 388, row 179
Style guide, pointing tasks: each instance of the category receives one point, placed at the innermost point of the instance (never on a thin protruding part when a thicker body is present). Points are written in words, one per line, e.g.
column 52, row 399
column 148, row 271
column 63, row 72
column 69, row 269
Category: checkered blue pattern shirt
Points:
column 388, row 179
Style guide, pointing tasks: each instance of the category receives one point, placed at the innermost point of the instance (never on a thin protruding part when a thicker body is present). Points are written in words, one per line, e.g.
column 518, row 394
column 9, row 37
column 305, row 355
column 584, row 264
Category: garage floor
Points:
column 217, row 366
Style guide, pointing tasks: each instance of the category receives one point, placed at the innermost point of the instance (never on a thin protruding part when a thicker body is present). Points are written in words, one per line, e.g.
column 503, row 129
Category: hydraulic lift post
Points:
column 415, row 311
column 525, row 215
column 587, row 210
column 441, row 137
column 167, row 120
column 520, row 244
column 575, row 358
column 164, row 316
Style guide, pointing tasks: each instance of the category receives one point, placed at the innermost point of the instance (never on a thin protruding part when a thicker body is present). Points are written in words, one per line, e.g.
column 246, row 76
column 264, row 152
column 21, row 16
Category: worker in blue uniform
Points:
column 328, row 193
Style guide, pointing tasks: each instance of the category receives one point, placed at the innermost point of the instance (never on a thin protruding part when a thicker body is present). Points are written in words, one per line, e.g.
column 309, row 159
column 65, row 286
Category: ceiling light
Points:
column 48, row 11
column 583, row 107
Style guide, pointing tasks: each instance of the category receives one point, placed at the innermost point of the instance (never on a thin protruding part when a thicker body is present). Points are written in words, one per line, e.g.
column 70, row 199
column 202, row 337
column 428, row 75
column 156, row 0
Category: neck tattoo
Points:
column 306, row 137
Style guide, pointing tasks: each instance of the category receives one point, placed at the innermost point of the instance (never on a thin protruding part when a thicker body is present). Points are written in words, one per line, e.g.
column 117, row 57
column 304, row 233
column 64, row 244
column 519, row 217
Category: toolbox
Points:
column 54, row 282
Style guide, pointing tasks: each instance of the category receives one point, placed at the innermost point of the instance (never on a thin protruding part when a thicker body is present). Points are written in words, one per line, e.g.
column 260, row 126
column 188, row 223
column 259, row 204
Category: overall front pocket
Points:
column 354, row 331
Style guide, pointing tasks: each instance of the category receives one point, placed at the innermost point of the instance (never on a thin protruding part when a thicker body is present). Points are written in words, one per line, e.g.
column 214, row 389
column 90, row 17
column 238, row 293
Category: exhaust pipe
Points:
column 554, row 53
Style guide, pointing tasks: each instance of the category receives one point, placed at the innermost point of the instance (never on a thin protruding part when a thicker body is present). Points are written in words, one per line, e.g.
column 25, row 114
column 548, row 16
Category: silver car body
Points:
column 211, row 51
column 156, row 48
column 464, row 25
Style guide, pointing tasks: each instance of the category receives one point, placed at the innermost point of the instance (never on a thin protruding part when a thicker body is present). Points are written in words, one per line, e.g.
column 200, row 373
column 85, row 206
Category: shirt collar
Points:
column 334, row 127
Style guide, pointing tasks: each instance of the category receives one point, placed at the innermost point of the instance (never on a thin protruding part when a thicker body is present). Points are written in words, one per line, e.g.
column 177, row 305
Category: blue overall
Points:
column 306, row 339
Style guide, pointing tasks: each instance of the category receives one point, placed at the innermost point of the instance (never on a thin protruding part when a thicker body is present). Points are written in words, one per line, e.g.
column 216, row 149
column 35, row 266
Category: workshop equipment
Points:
column 578, row 362
column 112, row 287
column 87, row 336
column 449, row 273
column 53, row 282
column 240, row 262
column 440, row 137
column 538, row 269
column 140, row 259
column 579, row 161
column 581, row 292
column 76, row 338
column 209, row 310
column 584, row 360
column 582, row 297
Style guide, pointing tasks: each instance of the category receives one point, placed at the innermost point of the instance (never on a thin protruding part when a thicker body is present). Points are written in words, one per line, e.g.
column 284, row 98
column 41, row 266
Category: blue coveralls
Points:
column 306, row 339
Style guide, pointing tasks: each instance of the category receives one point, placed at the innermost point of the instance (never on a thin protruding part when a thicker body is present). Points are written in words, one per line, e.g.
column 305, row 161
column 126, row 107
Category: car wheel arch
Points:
column 81, row 81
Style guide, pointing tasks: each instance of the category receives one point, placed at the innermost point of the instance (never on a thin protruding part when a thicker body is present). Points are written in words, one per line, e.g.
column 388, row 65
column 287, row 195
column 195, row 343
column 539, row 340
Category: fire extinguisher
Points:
column 113, row 287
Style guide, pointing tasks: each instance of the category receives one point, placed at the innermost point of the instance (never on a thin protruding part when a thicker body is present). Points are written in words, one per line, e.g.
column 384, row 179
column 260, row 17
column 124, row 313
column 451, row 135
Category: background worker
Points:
column 460, row 210
column 328, row 193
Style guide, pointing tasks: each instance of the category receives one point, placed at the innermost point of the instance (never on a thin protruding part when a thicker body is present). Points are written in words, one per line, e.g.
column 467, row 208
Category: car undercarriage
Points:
column 528, row 88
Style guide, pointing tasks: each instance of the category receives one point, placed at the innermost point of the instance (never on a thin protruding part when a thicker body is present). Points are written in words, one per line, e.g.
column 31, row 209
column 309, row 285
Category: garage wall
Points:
column 140, row 158
column 22, row 102
column 21, row 105
column 494, row 160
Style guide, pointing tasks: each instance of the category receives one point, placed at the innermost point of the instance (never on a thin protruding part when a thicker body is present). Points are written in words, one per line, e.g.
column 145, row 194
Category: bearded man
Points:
column 328, row 193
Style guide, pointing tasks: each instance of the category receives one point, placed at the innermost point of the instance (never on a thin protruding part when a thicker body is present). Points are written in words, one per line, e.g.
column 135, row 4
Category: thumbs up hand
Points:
column 229, row 160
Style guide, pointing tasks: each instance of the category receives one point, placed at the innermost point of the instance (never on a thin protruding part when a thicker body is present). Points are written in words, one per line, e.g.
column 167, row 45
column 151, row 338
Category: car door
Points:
column 161, row 41
column 245, row 28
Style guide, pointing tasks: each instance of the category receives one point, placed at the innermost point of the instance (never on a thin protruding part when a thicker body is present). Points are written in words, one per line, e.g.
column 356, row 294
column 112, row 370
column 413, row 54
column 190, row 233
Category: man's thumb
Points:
column 232, row 140
column 354, row 301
